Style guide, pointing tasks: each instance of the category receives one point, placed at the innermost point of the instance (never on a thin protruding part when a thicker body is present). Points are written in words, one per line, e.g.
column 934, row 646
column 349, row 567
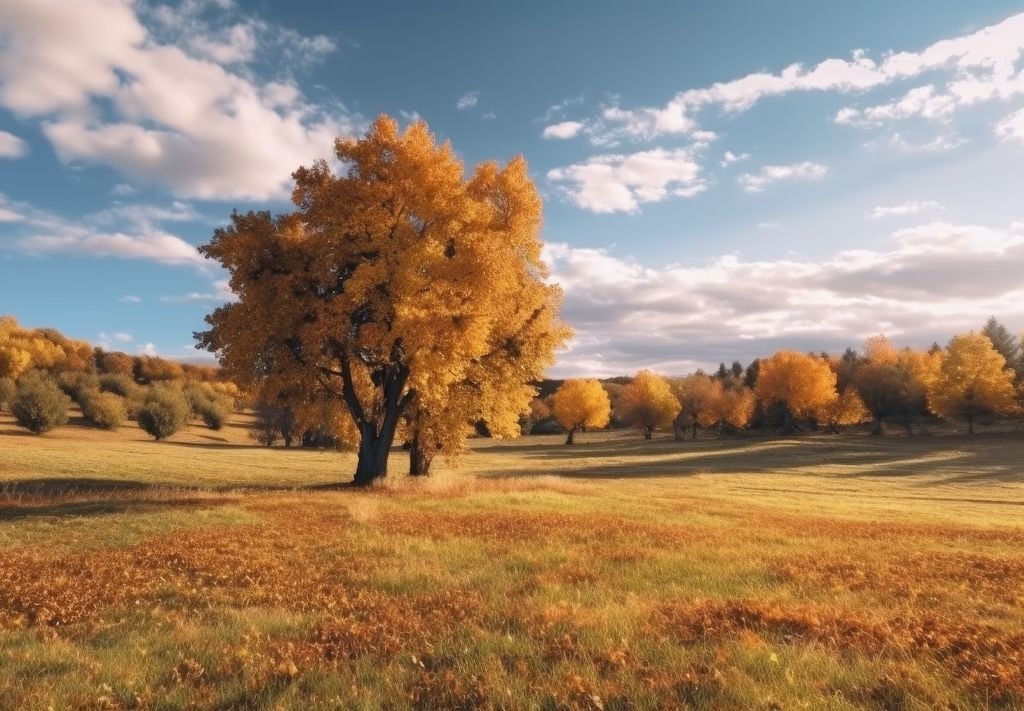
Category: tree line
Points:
column 977, row 376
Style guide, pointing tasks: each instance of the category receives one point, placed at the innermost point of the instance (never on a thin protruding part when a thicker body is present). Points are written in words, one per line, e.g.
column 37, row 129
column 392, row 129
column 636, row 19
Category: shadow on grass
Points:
column 104, row 507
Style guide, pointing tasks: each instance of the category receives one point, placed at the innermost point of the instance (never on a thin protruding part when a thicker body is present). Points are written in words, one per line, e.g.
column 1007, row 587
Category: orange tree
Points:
column 800, row 383
column 391, row 284
column 972, row 379
column 647, row 403
column 581, row 403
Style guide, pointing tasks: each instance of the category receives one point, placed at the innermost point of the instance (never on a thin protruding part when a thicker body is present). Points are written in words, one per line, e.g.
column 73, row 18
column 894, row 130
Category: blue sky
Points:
column 720, row 179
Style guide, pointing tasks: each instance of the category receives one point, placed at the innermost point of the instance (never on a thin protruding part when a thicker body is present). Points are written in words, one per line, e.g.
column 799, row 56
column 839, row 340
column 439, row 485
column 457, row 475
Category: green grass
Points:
column 816, row 572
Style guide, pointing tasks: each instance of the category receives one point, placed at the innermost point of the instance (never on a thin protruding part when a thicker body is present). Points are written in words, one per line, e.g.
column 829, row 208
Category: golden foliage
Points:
column 647, row 403
column 972, row 380
column 581, row 403
column 803, row 384
column 844, row 409
column 398, row 286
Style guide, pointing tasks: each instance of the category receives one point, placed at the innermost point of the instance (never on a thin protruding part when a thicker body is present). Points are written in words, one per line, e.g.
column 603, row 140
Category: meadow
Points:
column 818, row 572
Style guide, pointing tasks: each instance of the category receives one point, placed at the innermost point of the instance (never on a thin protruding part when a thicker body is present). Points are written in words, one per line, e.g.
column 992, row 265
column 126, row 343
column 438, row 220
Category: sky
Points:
column 720, row 180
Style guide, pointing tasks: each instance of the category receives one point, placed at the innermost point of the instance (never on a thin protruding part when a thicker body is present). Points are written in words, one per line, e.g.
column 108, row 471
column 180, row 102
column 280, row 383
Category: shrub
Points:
column 164, row 412
column 205, row 402
column 119, row 384
column 8, row 389
column 77, row 384
column 104, row 410
column 39, row 405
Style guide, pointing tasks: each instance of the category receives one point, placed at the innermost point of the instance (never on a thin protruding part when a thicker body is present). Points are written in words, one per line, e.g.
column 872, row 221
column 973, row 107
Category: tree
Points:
column 892, row 383
column 273, row 422
column 735, row 407
column 737, row 371
column 647, row 403
column 39, row 405
column 698, row 397
column 800, row 383
column 581, row 403
column 1005, row 343
column 8, row 389
column 972, row 380
column 387, row 286
column 844, row 409
column 751, row 374
column 164, row 412
column 722, row 374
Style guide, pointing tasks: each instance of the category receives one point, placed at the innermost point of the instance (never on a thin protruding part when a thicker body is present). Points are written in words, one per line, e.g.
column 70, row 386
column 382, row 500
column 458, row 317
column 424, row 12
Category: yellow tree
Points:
column 389, row 284
column 699, row 397
column 891, row 382
column 581, row 403
column 846, row 408
column 972, row 380
column 647, row 403
column 735, row 407
column 800, row 383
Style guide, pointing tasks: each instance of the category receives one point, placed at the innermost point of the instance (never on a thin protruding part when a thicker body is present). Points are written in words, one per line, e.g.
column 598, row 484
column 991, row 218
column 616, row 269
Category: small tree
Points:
column 735, row 408
column 104, row 410
column 698, row 395
column 39, row 405
column 647, row 403
column 581, row 403
column 800, row 383
column 844, row 409
column 164, row 412
column 972, row 380
column 1005, row 343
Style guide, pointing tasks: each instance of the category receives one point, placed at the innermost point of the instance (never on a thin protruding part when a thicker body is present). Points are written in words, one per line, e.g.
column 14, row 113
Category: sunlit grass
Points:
column 817, row 572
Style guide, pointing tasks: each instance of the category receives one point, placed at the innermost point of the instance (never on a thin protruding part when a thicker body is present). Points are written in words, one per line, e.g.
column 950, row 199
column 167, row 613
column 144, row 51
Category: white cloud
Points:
column 942, row 143
column 932, row 281
column 130, row 299
column 1011, row 128
column 174, row 114
column 728, row 158
column 621, row 183
column 563, row 130
column 124, row 189
column 468, row 100
column 924, row 101
column 11, row 146
column 982, row 64
column 769, row 174
column 910, row 207
column 221, row 293
column 148, row 349
column 127, row 232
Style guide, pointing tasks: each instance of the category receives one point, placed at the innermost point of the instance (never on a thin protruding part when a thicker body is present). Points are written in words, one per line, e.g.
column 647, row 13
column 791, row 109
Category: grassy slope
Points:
column 831, row 572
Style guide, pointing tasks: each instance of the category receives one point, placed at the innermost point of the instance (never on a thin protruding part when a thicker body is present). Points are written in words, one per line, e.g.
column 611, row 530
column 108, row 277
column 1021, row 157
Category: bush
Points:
column 39, row 405
column 119, row 384
column 76, row 384
column 204, row 401
column 164, row 412
column 104, row 410
column 8, row 389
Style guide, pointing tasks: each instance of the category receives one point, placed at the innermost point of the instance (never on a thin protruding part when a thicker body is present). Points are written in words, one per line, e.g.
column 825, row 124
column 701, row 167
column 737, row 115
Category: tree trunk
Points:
column 569, row 439
column 648, row 432
column 693, row 431
column 876, row 426
column 420, row 458
column 787, row 423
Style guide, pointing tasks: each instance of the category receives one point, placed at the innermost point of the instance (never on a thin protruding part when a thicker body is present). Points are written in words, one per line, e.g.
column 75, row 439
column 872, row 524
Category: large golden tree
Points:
column 972, row 380
column 647, row 403
column 398, row 287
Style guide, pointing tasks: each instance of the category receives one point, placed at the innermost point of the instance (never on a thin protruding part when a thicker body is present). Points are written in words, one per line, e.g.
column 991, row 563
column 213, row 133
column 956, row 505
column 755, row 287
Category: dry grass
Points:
column 811, row 573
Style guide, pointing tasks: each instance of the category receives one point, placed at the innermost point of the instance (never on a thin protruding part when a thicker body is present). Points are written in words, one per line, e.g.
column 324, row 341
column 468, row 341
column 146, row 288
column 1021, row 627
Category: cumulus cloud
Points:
column 910, row 207
column 942, row 143
column 621, row 183
column 11, row 146
column 933, row 280
column 175, row 112
column 769, row 174
column 563, row 130
column 468, row 100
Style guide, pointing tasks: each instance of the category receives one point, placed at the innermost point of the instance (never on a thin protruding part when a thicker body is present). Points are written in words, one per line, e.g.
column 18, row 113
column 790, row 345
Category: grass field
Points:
column 817, row 572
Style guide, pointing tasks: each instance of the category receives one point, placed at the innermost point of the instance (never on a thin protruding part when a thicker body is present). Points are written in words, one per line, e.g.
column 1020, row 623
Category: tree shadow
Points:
column 75, row 509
